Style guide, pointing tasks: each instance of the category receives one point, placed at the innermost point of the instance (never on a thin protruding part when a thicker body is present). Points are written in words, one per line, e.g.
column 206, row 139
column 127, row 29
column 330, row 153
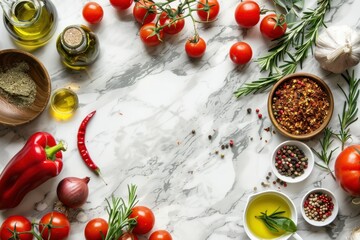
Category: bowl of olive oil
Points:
column 270, row 215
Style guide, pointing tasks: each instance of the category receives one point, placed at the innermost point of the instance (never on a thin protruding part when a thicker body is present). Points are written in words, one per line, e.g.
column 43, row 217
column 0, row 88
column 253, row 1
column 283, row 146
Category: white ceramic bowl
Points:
column 307, row 152
column 333, row 213
column 289, row 202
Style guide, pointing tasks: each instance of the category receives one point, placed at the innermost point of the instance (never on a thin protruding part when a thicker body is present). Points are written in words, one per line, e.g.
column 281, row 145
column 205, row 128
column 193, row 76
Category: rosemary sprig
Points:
column 275, row 222
column 301, row 36
column 350, row 110
column 325, row 155
column 119, row 213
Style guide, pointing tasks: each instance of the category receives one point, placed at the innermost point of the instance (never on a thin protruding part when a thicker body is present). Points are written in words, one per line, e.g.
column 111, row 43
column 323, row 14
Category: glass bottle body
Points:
column 78, row 47
column 31, row 24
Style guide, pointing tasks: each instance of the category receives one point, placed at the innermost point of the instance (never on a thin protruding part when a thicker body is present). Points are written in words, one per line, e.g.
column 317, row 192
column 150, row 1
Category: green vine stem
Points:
column 280, row 61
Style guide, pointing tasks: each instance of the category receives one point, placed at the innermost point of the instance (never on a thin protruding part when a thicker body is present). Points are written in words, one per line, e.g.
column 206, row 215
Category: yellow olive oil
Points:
column 63, row 104
column 267, row 202
column 38, row 24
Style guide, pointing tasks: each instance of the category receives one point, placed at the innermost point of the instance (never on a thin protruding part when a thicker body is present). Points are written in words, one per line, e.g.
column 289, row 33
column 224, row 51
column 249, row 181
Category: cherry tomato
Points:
column 54, row 226
column 273, row 26
column 121, row 4
column 144, row 11
column 20, row 223
column 247, row 14
column 148, row 35
column 347, row 170
column 160, row 235
column 208, row 10
column 240, row 53
column 128, row 236
column 96, row 229
column 93, row 12
column 171, row 26
column 145, row 219
column 195, row 47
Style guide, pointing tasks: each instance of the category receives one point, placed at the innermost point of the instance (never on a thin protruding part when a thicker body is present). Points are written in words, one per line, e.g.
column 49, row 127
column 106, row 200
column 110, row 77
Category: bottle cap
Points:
column 73, row 38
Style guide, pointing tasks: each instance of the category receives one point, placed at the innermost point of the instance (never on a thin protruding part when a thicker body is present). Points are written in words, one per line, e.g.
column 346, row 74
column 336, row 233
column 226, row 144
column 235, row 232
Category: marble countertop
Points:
column 148, row 101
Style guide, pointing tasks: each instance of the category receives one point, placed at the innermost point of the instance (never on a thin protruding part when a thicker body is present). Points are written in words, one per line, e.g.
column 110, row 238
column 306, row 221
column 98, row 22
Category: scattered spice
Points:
column 260, row 116
column 257, row 110
column 222, row 155
column 231, row 143
column 227, row 146
column 267, row 129
column 222, row 146
column 17, row 86
column 209, row 137
column 248, row 110
column 300, row 105
column 193, row 132
column 290, row 161
column 318, row 206
column 216, row 152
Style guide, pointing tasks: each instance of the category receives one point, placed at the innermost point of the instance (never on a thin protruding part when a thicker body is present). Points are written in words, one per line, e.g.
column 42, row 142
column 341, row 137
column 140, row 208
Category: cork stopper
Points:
column 73, row 37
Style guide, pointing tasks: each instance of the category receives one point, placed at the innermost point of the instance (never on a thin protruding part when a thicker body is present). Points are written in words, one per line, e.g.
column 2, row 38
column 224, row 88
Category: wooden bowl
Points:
column 10, row 113
column 274, row 113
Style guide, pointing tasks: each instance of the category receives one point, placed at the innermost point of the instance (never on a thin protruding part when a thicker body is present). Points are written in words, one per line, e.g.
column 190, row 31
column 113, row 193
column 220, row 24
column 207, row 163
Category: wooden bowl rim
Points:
column 327, row 119
column 48, row 80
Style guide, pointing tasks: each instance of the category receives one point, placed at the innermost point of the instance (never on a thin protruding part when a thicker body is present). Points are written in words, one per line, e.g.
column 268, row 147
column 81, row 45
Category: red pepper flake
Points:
column 300, row 105
column 267, row 129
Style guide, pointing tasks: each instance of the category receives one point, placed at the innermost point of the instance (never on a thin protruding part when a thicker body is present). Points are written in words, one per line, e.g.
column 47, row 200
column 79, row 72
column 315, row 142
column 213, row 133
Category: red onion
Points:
column 73, row 191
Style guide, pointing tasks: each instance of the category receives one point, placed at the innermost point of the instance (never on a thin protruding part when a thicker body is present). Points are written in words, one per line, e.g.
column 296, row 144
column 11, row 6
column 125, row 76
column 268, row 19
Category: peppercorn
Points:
column 318, row 206
column 193, row 132
column 226, row 146
column 209, row 137
column 260, row 116
column 222, row 155
column 231, row 143
column 257, row 110
column 223, row 147
column 290, row 161
column 248, row 110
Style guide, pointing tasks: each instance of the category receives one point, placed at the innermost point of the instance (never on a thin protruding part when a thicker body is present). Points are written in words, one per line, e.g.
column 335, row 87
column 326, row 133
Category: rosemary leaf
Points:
column 295, row 45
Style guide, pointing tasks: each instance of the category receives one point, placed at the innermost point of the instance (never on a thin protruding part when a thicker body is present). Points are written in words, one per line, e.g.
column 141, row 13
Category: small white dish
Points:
column 329, row 219
column 307, row 152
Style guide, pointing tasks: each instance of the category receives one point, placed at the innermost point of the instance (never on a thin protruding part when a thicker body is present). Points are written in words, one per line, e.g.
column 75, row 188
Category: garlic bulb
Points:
column 338, row 48
column 355, row 234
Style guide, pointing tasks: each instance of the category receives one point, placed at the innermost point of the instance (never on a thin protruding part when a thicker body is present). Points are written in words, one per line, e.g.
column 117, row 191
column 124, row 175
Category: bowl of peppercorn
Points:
column 300, row 105
column 24, row 87
column 292, row 161
column 319, row 207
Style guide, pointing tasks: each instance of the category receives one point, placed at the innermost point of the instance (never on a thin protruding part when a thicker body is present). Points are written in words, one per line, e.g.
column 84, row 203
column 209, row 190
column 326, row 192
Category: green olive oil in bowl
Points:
column 268, row 203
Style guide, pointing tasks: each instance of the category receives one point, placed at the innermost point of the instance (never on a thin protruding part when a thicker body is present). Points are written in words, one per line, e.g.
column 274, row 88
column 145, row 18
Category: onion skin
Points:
column 73, row 192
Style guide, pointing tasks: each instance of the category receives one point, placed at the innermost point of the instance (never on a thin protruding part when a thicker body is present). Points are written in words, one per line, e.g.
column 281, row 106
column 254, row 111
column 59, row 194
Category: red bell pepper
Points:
column 39, row 160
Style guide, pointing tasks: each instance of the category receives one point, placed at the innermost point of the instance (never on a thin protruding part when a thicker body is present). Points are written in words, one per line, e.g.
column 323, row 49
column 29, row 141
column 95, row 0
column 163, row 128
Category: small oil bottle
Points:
column 78, row 47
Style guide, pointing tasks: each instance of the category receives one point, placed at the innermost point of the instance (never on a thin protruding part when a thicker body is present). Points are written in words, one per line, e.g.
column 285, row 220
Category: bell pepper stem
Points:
column 51, row 151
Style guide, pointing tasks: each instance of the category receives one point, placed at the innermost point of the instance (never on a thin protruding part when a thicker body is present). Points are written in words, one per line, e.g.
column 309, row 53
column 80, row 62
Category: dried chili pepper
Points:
column 82, row 146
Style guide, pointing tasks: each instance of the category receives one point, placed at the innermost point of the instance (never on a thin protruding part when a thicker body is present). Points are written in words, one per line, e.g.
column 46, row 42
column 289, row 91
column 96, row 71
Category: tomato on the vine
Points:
column 150, row 36
column 208, row 10
column 54, row 226
column 172, row 24
column 347, row 170
column 247, row 14
column 145, row 219
column 160, row 235
column 144, row 11
column 93, row 12
column 121, row 4
column 273, row 26
column 18, row 223
column 96, row 229
column 240, row 53
column 195, row 47
column 128, row 236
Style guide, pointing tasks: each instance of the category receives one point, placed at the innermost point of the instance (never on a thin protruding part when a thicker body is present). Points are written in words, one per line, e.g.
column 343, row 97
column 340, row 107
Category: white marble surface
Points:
column 148, row 101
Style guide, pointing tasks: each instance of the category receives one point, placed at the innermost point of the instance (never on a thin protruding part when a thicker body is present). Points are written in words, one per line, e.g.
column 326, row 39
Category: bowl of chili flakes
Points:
column 300, row 105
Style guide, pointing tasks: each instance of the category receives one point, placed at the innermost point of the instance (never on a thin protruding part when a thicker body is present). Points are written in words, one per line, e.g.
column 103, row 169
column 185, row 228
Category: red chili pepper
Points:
column 82, row 146
column 39, row 160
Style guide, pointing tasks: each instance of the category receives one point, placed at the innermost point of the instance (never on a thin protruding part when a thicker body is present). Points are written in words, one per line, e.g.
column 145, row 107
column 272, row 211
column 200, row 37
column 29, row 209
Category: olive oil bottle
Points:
column 78, row 47
column 31, row 23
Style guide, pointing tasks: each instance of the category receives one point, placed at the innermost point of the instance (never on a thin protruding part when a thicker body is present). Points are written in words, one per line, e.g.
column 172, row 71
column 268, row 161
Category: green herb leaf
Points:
column 274, row 222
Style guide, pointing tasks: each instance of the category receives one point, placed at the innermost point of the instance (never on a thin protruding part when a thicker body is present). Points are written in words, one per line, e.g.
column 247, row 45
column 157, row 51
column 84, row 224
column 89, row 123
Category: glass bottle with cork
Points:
column 78, row 47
